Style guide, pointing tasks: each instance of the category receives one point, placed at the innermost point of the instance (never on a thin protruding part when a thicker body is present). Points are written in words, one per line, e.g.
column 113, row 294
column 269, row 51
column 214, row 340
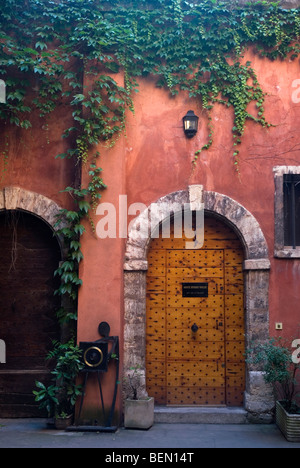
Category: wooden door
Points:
column 29, row 256
column 195, row 320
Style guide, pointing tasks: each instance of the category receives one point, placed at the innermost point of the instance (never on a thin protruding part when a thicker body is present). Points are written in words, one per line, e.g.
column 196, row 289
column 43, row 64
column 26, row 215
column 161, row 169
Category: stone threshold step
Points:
column 199, row 415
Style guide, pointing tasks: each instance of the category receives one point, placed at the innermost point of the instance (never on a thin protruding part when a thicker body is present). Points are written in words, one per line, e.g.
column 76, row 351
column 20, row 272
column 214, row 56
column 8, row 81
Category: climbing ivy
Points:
column 67, row 53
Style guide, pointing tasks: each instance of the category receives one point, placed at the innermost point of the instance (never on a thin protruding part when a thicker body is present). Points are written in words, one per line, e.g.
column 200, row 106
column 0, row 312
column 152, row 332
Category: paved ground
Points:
column 34, row 433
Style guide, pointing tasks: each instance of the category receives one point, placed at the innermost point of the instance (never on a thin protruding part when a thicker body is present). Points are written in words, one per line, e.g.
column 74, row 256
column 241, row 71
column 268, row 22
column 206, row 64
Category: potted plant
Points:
column 138, row 408
column 281, row 372
column 60, row 397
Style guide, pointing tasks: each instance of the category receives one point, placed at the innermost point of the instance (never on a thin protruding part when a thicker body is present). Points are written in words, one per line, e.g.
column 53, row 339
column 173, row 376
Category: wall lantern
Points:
column 190, row 124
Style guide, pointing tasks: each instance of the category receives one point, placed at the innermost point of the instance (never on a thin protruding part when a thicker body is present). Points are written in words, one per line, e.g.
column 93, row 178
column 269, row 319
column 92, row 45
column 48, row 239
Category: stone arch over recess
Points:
column 258, row 399
column 16, row 198
column 40, row 323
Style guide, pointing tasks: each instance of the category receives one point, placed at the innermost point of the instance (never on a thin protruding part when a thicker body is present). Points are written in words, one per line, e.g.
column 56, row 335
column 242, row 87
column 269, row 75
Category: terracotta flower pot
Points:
column 63, row 423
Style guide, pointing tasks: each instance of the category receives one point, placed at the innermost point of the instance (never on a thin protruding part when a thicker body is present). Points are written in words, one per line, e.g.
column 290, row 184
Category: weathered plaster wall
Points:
column 155, row 159
column 159, row 158
column 31, row 162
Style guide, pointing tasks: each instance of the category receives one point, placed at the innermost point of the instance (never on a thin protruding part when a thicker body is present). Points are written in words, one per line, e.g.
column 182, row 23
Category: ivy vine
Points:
column 49, row 49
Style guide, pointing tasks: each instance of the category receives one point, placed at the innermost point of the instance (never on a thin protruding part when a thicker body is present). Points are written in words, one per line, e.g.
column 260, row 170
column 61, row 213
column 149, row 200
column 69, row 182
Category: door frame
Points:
column 256, row 285
column 18, row 199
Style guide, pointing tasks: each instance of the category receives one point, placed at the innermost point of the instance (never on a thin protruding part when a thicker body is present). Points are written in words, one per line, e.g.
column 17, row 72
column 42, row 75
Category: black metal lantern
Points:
column 190, row 124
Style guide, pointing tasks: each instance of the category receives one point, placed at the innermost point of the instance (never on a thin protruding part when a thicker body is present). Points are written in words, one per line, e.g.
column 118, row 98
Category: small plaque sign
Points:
column 194, row 289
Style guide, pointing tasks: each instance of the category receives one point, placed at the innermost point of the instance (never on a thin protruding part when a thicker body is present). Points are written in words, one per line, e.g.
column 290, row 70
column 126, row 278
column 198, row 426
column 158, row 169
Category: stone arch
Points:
column 222, row 206
column 256, row 267
column 35, row 319
column 16, row 198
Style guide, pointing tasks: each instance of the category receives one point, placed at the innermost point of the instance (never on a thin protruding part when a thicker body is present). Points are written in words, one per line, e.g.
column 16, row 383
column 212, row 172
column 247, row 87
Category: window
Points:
column 291, row 203
column 287, row 211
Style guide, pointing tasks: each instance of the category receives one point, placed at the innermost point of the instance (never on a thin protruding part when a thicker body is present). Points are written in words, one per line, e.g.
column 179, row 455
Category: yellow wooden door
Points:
column 195, row 320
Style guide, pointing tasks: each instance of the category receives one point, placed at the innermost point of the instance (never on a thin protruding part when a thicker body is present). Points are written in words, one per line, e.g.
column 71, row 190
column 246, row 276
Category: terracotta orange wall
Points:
column 159, row 162
column 101, row 271
column 155, row 158
column 101, row 296
column 31, row 162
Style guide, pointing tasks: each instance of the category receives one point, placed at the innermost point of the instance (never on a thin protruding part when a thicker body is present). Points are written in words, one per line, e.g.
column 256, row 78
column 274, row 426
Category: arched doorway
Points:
column 256, row 267
column 29, row 256
column 195, row 326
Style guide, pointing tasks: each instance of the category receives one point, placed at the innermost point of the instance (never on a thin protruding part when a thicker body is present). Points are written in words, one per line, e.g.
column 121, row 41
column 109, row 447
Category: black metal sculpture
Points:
column 97, row 357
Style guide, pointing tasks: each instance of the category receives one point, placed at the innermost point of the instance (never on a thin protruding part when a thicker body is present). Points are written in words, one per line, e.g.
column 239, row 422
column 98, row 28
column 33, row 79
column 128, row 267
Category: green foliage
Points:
column 275, row 359
column 133, row 382
column 60, row 397
column 196, row 47
column 70, row 226
column 64, row 54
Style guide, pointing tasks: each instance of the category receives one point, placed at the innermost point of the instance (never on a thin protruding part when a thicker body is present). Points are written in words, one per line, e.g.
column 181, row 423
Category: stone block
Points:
column 259, row 398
